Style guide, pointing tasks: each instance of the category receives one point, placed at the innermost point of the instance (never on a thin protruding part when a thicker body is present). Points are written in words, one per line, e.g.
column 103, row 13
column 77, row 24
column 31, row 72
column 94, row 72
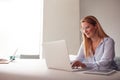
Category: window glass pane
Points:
column 21, row 26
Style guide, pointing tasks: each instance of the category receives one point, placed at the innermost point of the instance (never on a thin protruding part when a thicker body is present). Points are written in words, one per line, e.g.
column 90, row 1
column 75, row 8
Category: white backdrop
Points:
column 61, row 21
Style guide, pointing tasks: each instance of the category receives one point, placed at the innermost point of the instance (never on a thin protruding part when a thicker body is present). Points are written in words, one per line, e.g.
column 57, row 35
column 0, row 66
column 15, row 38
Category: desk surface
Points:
column 35, row 69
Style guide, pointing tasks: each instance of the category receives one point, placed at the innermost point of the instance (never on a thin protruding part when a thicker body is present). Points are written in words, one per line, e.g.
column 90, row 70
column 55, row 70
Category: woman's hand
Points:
column 77, row 64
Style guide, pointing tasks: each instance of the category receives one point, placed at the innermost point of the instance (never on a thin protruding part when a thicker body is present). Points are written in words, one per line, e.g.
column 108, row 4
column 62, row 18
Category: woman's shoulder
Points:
column 109, row 40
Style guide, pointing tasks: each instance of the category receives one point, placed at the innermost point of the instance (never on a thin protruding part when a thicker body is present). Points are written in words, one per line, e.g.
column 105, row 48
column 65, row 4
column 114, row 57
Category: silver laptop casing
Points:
column 56, row 55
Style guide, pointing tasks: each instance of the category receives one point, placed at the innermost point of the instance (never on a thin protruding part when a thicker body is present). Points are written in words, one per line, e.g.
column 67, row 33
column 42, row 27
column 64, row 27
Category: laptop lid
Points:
column 56, row 55
column 6, row 61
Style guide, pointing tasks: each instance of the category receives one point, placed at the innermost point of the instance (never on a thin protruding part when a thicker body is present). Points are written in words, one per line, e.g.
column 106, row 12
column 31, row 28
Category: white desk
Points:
column 35, row 69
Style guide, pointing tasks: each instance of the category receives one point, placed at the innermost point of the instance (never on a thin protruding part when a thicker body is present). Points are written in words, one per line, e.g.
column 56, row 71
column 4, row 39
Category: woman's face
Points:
column 88, row 29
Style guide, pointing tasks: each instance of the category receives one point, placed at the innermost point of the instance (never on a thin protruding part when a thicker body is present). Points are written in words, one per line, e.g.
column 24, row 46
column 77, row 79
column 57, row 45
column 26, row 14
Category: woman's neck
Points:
column 95, row 39
column 95, row 42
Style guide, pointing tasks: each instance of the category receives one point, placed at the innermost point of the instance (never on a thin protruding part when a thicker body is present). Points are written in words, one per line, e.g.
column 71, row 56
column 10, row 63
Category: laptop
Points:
column 56, row 56
column 6, row 61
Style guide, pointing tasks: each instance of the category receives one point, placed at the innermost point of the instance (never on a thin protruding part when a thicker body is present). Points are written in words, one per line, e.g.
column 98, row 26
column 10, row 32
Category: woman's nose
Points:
column 85, row 31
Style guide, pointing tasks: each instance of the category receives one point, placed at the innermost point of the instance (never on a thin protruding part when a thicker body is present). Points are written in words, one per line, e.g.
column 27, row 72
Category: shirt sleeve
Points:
column 80, row 54
column 109, row 54
column 107, row 57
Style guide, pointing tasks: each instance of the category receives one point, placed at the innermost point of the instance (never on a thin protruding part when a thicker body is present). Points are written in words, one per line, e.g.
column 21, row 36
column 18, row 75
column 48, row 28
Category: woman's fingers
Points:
column 76, row 64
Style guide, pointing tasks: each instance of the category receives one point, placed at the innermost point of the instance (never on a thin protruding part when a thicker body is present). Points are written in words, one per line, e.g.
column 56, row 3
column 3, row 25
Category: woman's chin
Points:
column 87, row 36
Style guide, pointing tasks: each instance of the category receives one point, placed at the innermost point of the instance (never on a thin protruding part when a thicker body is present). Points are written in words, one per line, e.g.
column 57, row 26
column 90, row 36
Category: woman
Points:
column 97, row 49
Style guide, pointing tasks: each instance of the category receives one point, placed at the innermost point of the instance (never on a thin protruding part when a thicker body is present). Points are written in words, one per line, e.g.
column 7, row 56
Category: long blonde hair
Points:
column 87, row 41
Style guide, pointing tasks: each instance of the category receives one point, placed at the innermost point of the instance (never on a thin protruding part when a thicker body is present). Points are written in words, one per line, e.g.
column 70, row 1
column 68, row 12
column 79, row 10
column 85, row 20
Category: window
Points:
column 21, row 24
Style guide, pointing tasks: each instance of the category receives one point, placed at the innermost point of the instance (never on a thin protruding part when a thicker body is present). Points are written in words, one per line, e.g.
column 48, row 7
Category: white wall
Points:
column 108, row 13
column 61, row 21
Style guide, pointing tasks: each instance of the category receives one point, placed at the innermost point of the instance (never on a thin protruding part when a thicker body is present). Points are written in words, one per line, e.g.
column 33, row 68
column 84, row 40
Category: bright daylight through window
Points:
column 21, row 24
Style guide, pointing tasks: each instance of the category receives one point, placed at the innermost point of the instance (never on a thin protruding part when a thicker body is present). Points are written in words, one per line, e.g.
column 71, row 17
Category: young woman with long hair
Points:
column 97, row 49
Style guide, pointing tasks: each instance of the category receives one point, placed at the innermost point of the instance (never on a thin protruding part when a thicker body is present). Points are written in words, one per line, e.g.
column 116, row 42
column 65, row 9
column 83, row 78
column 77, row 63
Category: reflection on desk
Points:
column 35, row 69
